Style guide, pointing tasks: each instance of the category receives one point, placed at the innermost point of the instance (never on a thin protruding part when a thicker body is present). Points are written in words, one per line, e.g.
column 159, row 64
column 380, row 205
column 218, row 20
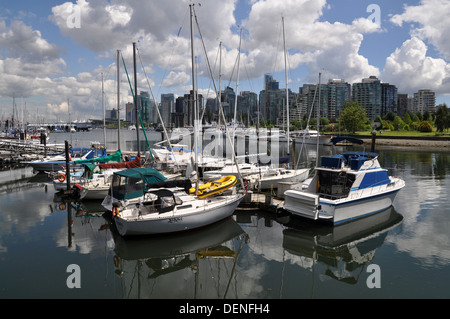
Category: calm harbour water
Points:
column 254, row 255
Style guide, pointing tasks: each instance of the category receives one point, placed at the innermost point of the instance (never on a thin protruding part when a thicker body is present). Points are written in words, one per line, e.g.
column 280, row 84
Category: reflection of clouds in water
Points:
column 425, row 208
column 19, row 214
column 86, row 237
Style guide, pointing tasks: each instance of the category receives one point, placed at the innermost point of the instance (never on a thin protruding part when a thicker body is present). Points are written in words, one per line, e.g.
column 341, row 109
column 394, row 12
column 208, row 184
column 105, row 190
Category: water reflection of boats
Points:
column 344, row 249
column 155, row 261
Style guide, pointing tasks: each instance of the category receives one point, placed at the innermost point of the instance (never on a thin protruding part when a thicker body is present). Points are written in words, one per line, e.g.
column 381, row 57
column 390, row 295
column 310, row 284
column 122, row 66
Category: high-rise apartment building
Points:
column 368, row 94
column 271, row 100
column 167, row 108
column 247, row 107
column 129, row 112
column 389, row 99
column 339, row 92
column 143, row 100
column 189, row 107
column 424, row 100
column 402, row 104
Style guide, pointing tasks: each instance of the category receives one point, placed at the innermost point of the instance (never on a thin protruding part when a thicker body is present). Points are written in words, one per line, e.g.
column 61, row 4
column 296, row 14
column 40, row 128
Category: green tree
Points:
column 425, row 126
column 398, row 123
column 442, row 118
column 378, row 119
column 390, row 116
column 407, row 118
column 353, row 116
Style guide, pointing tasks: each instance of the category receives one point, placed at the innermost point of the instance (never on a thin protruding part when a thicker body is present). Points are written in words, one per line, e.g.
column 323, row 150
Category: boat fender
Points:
column 115, row 211
column 61, row 178
column 78, row 186
column 116, row 261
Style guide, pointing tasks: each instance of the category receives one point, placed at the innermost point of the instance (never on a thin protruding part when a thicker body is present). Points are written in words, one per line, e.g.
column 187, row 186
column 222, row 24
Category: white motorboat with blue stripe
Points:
column 345, row 187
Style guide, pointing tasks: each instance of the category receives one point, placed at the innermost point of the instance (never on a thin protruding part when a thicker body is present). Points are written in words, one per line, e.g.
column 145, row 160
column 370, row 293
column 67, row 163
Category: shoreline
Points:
column 409, row 142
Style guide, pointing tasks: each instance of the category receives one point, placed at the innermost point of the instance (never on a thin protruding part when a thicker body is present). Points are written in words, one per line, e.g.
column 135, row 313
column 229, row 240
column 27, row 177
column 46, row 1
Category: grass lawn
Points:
column 396, row 133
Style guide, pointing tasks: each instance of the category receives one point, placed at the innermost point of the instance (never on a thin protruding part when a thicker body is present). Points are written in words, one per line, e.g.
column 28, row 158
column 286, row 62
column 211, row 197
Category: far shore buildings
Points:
column 376, row 97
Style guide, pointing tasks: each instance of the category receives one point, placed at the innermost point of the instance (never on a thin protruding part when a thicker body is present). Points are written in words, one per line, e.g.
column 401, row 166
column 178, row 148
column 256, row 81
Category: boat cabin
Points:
column 340, row 174
column 132, row 183
column 135, row 182
column 160, row 201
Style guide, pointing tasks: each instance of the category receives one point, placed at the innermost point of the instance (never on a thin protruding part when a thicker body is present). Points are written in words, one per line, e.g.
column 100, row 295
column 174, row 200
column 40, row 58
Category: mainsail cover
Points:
column 116, row 157
column 136, row 162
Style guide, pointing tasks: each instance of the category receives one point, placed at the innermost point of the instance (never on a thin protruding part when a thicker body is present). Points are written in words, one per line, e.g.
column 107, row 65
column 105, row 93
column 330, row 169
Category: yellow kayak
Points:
column 214, row 187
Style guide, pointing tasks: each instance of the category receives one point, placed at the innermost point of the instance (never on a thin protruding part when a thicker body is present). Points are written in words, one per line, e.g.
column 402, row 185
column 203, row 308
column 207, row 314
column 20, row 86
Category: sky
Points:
column 58, row 59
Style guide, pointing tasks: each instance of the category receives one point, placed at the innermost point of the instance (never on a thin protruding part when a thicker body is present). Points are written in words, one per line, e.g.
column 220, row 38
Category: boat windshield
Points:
column 335, row 184
column 126, row 187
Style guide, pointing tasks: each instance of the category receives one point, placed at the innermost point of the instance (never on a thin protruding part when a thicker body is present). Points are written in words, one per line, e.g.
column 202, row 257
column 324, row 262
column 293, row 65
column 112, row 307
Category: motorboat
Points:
column 345, row 187
column 98, row 187
column 92, row 172
column 245, row 169
column 271, row 178
column 308, row 136
column 260, row 177
column 180, row 155
column 57, row 162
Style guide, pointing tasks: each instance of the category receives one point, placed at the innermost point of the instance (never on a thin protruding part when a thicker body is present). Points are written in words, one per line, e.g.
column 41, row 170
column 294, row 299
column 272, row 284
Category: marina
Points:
column 260, row 252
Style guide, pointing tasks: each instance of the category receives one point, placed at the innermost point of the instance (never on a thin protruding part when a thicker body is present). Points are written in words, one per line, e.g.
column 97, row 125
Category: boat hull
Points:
column 354, row 209
column 50, row 166
column 271, row 182
column 94, row 193
column 178, row 221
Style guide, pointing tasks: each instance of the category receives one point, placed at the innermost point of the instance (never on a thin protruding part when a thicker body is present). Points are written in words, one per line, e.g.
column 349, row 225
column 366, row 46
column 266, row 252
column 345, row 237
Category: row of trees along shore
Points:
column 354, row 118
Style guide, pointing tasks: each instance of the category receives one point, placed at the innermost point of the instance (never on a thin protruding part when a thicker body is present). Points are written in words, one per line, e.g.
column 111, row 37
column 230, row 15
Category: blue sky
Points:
column 52, row 52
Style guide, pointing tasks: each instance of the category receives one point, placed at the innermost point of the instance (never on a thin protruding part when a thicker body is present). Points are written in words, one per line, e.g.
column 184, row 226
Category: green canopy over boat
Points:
column 134, row 182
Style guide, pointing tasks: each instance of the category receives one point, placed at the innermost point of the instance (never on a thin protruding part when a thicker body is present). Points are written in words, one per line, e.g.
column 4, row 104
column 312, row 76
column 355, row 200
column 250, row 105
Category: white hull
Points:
column 209, row 211
column 92, row 193
column 294, row 176
column 356, row 205
column 323, row 140
column 51, row 166
column 246, row 170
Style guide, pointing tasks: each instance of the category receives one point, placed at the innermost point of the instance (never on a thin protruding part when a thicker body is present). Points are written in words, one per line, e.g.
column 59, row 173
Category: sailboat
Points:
column 167, row 210
column 267, row 177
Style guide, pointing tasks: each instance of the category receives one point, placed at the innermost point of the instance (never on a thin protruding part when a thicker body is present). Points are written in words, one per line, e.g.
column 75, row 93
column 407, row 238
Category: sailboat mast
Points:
column 287, row 88
column 104, row 117
column 237, row 87
column 118, row 100
column 318, row 123
column 194, row 93
column 135, row 98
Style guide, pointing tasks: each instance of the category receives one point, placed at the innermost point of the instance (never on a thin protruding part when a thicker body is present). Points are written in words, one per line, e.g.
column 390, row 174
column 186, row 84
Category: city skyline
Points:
column 53, row 54
column 335, row 93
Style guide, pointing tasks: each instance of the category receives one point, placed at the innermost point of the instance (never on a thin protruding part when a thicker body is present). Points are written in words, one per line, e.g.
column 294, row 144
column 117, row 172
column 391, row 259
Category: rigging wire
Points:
column 220, row 103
